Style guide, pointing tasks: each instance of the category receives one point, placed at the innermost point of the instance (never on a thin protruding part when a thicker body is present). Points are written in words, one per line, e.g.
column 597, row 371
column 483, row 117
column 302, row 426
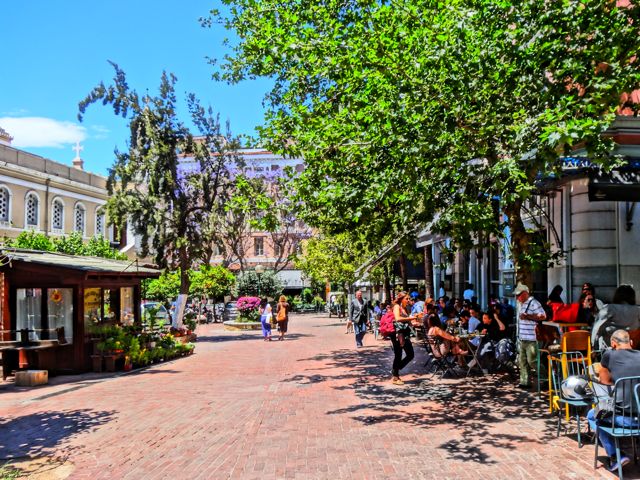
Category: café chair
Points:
column 441, row 363
column 563, row 366
column 624, row 420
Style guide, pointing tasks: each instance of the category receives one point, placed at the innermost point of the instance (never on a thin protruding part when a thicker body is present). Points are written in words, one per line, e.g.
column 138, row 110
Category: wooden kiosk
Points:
column 49, row 302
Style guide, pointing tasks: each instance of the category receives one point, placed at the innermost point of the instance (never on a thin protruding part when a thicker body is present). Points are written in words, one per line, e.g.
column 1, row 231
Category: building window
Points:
column 31, row 210
column 79, row 218
column 258, row 246
column 100, row 223
column 5, row 205
column 57, row 216
column 277, row 249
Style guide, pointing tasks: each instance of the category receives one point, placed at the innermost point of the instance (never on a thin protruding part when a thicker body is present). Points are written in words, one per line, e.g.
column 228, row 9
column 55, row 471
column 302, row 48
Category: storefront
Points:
column 51, row 302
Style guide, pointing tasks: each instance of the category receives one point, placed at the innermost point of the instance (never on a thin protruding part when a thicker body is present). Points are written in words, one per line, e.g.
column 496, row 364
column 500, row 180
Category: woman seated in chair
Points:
column 450, row 343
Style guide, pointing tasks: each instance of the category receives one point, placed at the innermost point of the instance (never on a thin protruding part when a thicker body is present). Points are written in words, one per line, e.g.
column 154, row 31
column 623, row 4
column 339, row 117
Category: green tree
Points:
column 163, row 288
column 72, row 244
column 168, row 186
column 407, row 109
column 267, row 284
column 212, row 281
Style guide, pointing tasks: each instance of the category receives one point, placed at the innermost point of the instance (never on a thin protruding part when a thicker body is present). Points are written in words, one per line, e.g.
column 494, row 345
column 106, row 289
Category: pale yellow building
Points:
column 49, row 197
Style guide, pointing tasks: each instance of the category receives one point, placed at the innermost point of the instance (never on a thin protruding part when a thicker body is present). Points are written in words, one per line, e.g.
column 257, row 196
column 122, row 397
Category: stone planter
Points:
column 240, row 326
column 96, row 361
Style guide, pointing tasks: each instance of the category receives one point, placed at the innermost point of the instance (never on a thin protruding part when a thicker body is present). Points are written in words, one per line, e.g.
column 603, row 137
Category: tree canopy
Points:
column 404, row 110
column 72, row 244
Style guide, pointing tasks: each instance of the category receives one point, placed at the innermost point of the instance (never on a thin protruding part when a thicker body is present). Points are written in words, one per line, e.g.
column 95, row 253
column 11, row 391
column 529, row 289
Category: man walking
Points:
column 530, row 313
column 359, row 317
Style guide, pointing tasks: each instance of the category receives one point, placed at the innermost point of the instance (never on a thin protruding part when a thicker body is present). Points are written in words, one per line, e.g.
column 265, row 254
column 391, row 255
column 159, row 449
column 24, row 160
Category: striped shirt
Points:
column 527, row 328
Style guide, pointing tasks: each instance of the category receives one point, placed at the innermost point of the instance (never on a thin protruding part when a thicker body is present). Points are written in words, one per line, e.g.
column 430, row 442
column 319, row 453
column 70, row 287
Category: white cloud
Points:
column 42, row 132
column 99, row 132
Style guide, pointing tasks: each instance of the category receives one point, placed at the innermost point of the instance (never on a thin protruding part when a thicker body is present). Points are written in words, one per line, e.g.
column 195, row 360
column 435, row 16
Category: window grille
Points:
column 31, row 208
column 58, row 215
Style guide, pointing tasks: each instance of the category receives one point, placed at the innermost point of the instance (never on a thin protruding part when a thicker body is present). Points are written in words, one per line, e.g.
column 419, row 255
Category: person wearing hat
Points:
column 530, row 313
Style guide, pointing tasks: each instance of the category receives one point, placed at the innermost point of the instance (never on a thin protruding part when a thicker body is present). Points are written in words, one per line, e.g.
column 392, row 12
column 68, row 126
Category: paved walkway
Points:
column 311, row 407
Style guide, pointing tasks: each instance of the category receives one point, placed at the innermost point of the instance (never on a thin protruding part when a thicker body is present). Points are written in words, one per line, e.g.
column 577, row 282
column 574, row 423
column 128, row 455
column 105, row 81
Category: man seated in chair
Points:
column 619, row 362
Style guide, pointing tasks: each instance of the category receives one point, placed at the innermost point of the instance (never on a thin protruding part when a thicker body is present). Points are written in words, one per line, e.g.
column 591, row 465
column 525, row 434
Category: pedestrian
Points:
column 359, row 318
column 530, row 313
column 265, row 319
column 282, row 316
column 401, row 339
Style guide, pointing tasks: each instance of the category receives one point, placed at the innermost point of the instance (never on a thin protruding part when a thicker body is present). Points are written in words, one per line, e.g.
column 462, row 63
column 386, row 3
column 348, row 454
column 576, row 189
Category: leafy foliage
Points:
column 249, row 283
column 72, row 244
column 163, row 288
column 212, row 281
column 407, row 109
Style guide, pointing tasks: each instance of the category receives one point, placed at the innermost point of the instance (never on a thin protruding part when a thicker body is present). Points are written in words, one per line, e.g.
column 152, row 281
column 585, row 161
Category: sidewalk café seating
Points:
column 575, row 341
column 626, row 409
column 443, row 364
column 562, row 366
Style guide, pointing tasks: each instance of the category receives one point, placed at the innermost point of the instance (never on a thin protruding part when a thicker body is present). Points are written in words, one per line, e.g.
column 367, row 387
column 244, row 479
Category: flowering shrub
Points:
column 248, row 309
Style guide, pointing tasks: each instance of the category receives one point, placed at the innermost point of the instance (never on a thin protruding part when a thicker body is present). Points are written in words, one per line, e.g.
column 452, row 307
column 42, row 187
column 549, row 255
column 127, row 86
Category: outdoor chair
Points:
column 443, row 364
column 564, row 365
column 624, row 422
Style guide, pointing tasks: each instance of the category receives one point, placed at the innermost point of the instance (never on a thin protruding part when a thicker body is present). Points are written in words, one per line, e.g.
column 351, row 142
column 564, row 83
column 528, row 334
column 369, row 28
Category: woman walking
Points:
column 282, row 316
column 400, row 339
column 265, row 319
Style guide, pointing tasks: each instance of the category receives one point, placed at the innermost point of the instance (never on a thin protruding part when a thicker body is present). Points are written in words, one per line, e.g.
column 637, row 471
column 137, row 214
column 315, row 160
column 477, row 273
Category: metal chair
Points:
column 444, row 363
column 624, row 421
column 564, row 365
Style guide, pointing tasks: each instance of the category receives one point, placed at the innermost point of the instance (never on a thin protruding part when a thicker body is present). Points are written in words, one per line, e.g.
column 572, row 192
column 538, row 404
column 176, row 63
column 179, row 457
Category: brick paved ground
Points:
column 310, row 407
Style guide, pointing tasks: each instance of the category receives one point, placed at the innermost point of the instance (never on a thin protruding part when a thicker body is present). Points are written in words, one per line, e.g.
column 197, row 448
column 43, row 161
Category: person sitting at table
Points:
column 492, row 331
column 619, row 362
column 474, row 323
column 450, row 343
column 588, row 310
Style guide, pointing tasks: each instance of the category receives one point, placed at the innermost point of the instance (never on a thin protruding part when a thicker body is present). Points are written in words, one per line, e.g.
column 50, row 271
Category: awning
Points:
column 616, row 186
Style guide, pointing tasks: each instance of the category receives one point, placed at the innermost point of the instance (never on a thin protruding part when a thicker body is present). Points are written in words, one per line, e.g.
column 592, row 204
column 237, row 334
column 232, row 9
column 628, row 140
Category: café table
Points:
column 564, row 327
column 472, row 349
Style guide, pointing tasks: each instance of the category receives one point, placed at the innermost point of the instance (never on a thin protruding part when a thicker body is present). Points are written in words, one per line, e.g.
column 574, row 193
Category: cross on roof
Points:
column 77, row 149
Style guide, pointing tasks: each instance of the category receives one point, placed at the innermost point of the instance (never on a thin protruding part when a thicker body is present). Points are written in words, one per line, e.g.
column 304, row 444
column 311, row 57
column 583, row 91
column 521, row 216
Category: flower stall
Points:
column 52, row 305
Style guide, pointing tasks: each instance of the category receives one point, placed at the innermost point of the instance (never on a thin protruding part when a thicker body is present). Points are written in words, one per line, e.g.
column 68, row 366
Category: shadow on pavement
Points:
column 251, row 335
column 34, row 435
column 474, row 406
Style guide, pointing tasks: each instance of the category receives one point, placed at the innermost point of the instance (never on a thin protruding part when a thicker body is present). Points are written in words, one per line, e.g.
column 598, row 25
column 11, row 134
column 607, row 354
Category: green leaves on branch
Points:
column 72, row 244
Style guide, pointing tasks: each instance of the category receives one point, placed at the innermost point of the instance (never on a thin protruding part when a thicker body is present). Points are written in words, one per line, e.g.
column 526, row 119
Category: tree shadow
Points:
column 471, row 407
column 39, row 434
column 250, row 335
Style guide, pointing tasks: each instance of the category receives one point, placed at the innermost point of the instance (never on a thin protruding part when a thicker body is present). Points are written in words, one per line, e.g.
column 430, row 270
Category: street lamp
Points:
column 259, row 271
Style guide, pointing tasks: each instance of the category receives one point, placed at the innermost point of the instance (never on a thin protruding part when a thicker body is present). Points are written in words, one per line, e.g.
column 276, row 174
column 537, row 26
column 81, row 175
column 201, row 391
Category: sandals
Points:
column 397, row 381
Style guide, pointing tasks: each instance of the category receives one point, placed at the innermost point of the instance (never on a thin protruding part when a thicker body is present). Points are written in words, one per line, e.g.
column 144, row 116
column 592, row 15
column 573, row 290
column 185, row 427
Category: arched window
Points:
column 57, row 215
column 5, row 205
column 100, row 222
column 32, row 210
column 79, row 218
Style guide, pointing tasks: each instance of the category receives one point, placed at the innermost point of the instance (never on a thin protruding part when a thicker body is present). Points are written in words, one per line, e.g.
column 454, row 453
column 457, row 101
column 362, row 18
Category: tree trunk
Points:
column 387, row 285
column 185, row 284
column 520, row 242
column 403, row 272
column 428, row 271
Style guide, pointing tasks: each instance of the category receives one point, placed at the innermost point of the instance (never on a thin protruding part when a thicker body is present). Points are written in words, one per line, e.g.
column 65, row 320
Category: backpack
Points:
column 282, row 313
column 387, row 327
column 505, row 350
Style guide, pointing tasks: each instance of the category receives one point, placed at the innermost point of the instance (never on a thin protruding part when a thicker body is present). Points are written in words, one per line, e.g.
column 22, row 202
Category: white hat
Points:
column 520, row 288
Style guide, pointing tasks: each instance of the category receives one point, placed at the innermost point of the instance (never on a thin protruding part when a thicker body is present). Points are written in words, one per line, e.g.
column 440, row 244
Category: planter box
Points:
column 32, row 378
column 110, row 363
column 96, row 361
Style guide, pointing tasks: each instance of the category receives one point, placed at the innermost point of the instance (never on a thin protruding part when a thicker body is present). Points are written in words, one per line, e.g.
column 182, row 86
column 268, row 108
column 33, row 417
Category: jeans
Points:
column 360, row 329
column 606, row 440
column 398, row 362
column 266, row 328
column 527, row 359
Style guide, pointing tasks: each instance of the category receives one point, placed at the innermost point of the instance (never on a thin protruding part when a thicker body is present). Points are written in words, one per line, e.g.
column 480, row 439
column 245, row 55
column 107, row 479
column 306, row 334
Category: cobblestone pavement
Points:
column 311, row 407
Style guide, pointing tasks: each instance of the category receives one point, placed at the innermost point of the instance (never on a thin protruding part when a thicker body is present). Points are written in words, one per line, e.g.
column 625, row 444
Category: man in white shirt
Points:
column 530, row 313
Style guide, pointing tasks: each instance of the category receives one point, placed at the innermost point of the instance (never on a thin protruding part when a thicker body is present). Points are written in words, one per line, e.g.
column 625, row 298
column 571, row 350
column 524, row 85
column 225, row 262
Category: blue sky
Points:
column 55, row 52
